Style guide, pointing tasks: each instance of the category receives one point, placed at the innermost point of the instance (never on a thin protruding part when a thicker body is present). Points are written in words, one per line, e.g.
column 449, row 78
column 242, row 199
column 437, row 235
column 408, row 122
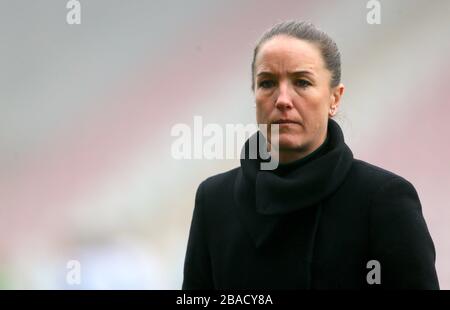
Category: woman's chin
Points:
column 287, row 142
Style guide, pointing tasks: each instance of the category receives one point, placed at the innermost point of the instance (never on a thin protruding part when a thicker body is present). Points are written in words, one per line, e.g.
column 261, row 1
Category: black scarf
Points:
column 263, row 197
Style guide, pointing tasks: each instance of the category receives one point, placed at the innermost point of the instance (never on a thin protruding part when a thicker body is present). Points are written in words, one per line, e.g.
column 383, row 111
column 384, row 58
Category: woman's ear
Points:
column 336, row 95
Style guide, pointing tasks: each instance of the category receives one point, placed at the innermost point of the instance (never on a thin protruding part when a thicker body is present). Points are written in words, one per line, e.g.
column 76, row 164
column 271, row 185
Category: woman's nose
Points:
column 284, row 99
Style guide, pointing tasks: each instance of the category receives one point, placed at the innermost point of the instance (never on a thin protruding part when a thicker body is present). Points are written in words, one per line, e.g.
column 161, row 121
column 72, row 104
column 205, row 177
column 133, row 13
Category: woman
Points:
column 322, row 219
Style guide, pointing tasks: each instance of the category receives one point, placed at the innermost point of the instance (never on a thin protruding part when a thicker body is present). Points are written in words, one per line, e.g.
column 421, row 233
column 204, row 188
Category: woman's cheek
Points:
column 314, row 102
column 261, row 114
column 263, row 110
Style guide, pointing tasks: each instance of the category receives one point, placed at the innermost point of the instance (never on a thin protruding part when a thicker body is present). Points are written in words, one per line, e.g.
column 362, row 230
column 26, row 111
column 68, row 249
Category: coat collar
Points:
column 263, row 197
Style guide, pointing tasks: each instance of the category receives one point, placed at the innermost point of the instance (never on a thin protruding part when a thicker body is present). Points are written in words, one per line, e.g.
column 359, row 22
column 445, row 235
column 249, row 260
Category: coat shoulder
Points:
column 371, row 170
column 217, row 192
column 216, row 184
column 373, row 176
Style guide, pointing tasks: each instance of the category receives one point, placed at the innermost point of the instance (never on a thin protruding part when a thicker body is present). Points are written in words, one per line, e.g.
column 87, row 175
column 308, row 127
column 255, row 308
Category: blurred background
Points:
column 86, row 112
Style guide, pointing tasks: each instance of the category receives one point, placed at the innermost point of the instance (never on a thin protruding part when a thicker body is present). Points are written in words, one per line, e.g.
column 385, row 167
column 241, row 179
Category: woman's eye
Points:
column 302, row 83
column 266, row 84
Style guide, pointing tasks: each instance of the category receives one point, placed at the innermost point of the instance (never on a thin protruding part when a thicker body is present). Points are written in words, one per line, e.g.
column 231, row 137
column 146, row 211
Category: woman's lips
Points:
column 284, row 123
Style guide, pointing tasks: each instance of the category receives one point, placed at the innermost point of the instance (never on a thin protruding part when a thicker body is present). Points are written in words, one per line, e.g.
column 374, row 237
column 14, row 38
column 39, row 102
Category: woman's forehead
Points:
column 288, row 54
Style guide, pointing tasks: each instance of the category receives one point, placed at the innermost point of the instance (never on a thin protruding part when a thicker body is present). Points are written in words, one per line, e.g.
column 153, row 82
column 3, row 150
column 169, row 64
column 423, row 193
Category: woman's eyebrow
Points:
column 302, row 72
column 265, row 73
column 297, row 72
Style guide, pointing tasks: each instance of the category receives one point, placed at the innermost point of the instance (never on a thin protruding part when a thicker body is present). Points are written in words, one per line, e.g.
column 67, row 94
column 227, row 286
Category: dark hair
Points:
column 308, row 32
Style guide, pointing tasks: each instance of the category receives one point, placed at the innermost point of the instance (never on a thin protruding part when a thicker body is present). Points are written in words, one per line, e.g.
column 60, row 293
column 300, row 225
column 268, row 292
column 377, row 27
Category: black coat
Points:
column 314, row 223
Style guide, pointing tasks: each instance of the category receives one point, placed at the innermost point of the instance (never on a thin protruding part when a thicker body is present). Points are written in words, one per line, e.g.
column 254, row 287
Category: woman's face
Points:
column 292, row 88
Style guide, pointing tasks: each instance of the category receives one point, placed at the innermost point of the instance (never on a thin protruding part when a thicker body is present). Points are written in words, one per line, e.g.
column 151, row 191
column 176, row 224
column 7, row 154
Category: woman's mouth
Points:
column 285, row 122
